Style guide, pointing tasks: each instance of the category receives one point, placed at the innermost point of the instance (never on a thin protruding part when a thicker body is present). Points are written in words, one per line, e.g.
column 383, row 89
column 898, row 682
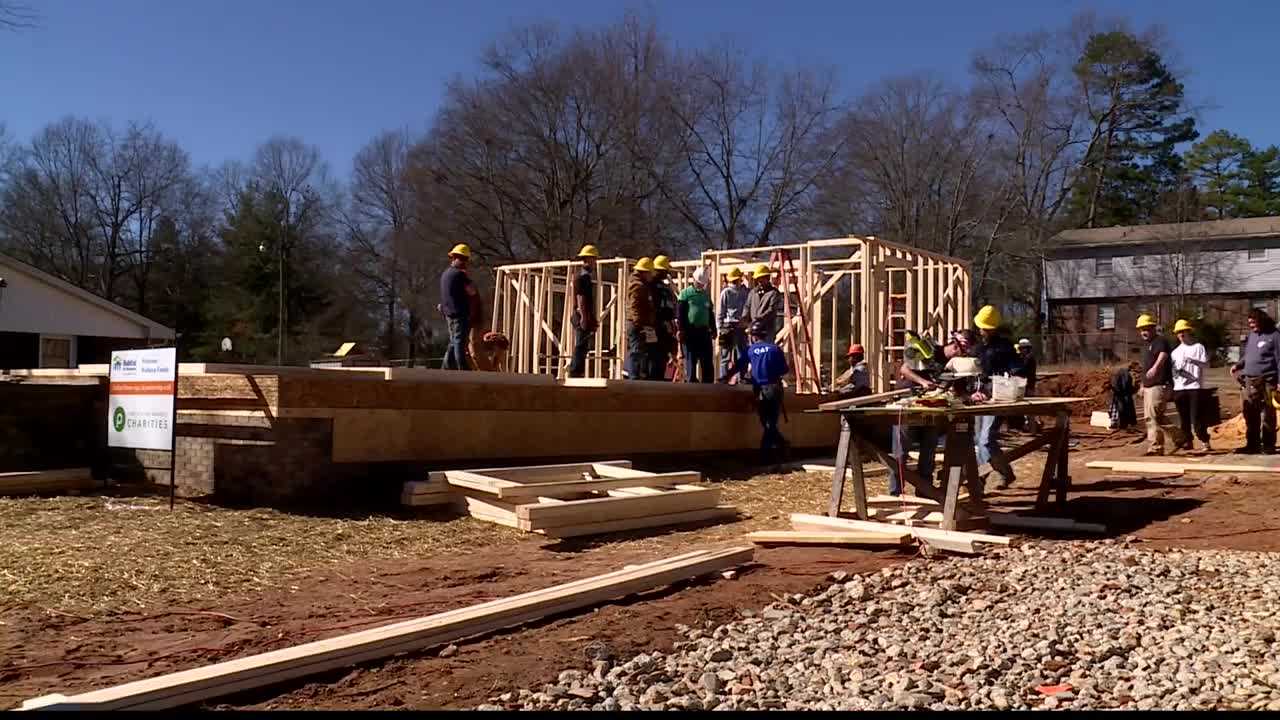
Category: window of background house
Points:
column 1102, row 267
column 55, row 352
column 1138, row 260
column 1106, row 317
column 1257, row 254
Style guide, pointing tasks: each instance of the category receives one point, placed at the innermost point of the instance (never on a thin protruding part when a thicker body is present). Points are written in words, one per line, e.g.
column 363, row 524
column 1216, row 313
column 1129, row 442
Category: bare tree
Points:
column 1023, row 84
column 83, row 201
column 383, row 231
column 17, row 16
column 754, row 143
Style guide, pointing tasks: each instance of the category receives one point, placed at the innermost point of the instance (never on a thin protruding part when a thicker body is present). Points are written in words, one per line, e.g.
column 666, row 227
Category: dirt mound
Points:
column 1092, row 384
column 1232, row 430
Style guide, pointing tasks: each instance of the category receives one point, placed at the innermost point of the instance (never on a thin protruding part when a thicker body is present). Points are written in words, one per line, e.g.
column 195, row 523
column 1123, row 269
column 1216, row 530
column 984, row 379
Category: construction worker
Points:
column 856, row 381
column 1157, row 385
column 642, row 336
column 1258, row 372
column 767, row 368
column 765, row 302
column 695, row 321
column 458, row 301
column 996, row 356
column 1189, row 362
column 731, row 324
column 584, row 318
column 1123, row 414
column 665, row 308
column 1026, row 369
column 921, row 364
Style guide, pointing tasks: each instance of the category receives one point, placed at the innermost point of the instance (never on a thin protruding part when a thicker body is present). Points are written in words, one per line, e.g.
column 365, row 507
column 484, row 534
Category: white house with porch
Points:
column 46, row 322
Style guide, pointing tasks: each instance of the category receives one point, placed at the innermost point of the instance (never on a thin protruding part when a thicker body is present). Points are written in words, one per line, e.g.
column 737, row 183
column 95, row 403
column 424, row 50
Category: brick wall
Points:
column 45, row 425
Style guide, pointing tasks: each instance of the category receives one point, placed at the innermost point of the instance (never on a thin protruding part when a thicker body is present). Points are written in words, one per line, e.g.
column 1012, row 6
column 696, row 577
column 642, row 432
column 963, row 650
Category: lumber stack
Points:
column 424, row 493
column 915, row 511
column 949, row 540
column 574, row 499
column 192, row 686
column 45, row 481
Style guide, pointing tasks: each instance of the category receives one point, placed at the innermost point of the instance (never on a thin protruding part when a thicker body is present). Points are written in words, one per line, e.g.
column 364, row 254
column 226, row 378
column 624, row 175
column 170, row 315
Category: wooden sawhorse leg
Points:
column 1055, row 475
column 848, row 457
column 959, row 464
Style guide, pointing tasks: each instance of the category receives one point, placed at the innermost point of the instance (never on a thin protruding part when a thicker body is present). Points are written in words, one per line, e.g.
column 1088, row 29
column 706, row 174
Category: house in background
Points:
column 1097, row 282
column 46, row 322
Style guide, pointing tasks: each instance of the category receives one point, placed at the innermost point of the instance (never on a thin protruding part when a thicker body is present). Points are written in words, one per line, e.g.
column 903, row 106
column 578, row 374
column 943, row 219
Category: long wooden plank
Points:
column 189, row 686
column 1150, row 467
column 809, row 521
column 720, row 512
column 476, row 481
column 524, row 491
column 424, row 487
column 867, row 471
column 864, row 400
column 43, row 481
column 534, row 473
column 577, row 512
column 797, row 537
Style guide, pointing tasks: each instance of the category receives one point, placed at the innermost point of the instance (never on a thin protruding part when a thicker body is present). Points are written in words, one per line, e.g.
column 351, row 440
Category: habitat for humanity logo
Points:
column 117, row 419
column 116, row 362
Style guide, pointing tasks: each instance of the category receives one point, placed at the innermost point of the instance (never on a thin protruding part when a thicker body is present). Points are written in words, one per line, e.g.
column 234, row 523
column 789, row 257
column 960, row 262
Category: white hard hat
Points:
column 1024, row 343
column 700, row 276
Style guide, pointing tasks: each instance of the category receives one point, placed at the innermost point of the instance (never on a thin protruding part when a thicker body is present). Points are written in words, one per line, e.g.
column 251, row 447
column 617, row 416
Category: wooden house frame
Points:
column 836, row 291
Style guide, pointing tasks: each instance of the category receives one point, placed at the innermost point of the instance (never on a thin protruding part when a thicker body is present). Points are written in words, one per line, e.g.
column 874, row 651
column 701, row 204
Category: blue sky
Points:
column 222, row 76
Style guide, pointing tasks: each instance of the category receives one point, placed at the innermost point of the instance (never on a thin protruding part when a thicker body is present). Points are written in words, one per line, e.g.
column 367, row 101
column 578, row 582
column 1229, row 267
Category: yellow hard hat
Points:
column 644, row 265
column 589, row 251
column 461, row 250
column 662, row 263
column 1180, row 326
column 735, row 273
column 761, row 271
column 988, row 318
column 1145, row 320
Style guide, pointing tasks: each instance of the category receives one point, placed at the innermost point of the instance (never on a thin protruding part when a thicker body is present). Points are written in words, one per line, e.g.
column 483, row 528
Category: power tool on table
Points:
column 935, row 367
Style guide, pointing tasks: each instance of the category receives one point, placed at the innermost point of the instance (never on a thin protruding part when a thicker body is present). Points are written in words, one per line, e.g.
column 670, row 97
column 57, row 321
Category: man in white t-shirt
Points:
column 1189, row 363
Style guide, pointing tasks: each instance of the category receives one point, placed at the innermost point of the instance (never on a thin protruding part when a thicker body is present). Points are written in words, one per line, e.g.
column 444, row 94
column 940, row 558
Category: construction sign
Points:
column 140, row 405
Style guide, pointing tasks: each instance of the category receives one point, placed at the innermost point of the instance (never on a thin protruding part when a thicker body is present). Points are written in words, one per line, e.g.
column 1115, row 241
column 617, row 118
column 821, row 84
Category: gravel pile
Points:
column 1061, row 625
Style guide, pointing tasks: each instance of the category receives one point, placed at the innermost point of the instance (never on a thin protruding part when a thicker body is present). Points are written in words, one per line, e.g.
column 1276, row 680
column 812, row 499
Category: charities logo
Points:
column 116, row 362
column 118, row 419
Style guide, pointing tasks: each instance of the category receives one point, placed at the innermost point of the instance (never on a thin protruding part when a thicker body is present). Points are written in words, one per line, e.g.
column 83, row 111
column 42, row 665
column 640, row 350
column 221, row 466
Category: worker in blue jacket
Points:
column 768, row 366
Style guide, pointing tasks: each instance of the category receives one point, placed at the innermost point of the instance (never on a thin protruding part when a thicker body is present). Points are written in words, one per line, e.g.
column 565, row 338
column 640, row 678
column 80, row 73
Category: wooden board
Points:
column 525, row 491
column 533, row 473
column 829, row 469
column 801, row 521
column 797, row 537
column 578, row 512
column 1137, row 466
column 44, row 481
column 191, row 686
column 720, row 512
column 877, row 398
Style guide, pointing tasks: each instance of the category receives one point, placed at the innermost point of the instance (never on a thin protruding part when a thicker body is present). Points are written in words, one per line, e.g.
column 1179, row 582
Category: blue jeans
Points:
column 986, row 442
column 638, row 354
column 697, row 355
column 768, row 409
column 455, row 358
column 582, row 341
column 926, row 438
column 731, row 356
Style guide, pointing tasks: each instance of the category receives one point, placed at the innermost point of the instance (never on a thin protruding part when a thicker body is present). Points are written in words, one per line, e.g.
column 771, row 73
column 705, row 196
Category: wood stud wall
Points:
column 829, row 283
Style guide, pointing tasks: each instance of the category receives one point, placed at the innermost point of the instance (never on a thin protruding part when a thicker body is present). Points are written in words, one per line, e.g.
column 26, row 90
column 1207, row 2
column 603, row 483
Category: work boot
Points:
column 1247, row 450
column 1001, row 482
column 1154, row 452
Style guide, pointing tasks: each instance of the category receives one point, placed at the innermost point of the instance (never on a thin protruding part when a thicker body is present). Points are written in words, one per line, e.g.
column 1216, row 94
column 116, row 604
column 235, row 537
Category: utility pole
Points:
column 280, row 322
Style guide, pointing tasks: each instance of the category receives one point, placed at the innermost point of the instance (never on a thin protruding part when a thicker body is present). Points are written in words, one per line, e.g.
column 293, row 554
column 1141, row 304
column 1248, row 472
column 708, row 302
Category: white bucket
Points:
column 1008, row 389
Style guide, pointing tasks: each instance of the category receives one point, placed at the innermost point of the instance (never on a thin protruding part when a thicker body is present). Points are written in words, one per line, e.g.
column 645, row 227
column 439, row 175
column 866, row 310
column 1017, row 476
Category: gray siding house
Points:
column 1097, row 281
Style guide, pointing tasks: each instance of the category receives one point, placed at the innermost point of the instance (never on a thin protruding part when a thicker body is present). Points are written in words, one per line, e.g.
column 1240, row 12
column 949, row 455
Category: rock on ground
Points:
column 1042, row 625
